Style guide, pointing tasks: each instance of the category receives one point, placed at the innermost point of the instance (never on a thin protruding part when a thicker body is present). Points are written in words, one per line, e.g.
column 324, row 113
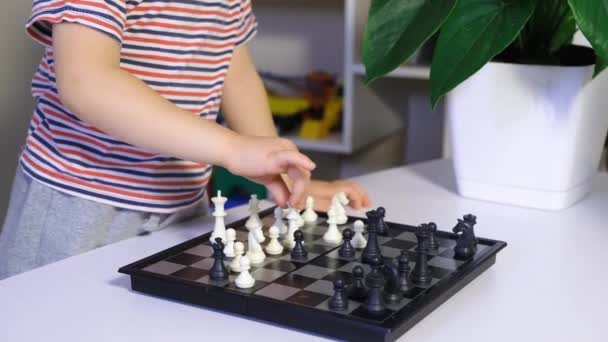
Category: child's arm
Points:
column 245, row 105
column 94, row 87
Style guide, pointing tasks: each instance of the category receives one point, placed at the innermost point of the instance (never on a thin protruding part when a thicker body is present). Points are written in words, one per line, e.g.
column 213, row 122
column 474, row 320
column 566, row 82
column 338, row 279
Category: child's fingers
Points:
column 284, row 159
column 301, row 180
column 279, row 191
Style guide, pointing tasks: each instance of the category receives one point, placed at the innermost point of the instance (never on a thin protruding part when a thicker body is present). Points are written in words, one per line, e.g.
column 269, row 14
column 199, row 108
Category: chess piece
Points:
column 372, row 248
column 466, row 243
column 254, row 220
column 374, row 281
column 274, row 246
column 404, row 271
column 433, row 243
column 359, row 240
column 219, row 229
column 310, row 216
column 278, row 221
column 292, row 224
column 239, row 249
column 230, row 237
column 332, row 235
column 421, row 275
column 218, row 270
column 255, row 253
column 245, row 280
column 337, row 203
column 347, row 250
column 382, row 226
column 299, row 219
column 392, row 290
column 357, row 291
column 338, row 301
column 298, row 252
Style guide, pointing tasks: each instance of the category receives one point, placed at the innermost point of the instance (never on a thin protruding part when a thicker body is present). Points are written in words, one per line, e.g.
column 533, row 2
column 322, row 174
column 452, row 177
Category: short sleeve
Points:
column 106, row 16
column 248, row 24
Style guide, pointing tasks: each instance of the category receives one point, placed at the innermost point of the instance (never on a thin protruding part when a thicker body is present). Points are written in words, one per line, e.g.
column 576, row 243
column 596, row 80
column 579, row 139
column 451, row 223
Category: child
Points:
column 123, row 135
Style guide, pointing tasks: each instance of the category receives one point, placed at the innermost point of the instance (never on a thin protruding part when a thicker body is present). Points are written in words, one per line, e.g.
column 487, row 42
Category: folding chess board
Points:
column 296, row 293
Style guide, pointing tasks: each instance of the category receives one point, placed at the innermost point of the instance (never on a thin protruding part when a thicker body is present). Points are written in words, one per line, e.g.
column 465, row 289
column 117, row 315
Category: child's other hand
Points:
column 264, row 159
column 323, row 192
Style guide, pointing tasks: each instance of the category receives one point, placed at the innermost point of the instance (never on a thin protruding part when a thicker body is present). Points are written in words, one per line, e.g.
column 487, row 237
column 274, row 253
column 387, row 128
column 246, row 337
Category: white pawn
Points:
column 254, row 220
column 239, row 249
column 292, row 223
column 332, row 235
column 230, row 237
column 358, row 240
column 274, row 247
column 278, row 221
column 245, row 280
column 310, row 216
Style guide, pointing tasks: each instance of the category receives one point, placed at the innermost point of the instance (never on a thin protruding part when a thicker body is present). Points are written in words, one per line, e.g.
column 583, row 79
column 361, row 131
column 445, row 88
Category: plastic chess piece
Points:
column 358, row 291
column 392, row 290
column 274, row 247
column 254, row 220
column 382, row 226
column 299, row 219
column 466, row 243
column 219, row 229
column 338, row 301
column 359, row 240
column 337, row 203
column 404, row 271
column 347, row 250
column 298, row 252
column 332, row 235
column 244, row 280
column 278, row 221
column 433, row 243
column 372, row 249
column 310, row 216
column 255, row 253
column 292, row 223
column 421, row 275
column 218, row 270
column 230, row 237
column 239, row 249
column 374, row 281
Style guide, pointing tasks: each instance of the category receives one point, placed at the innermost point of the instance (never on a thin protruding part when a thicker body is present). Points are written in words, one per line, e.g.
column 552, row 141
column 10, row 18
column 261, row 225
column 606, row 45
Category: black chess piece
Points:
column 298, row 252
column 374, row 281
column 372, row 249
column 466, row 243
column 347, row 250
column 392, row 290
column 421, row 275
column 357, row 290
column 433, row 243
column 218, row 270
column 404, row 271
column 382, row 226
column 338, row 301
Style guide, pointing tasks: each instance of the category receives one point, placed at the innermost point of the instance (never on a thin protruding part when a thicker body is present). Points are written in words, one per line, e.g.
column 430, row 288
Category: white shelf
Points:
column 332, row 144
column 405, row 71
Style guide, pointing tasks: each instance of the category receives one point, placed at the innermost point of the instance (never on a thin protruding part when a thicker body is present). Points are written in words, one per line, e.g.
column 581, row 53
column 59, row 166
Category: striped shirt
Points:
column 181, row 49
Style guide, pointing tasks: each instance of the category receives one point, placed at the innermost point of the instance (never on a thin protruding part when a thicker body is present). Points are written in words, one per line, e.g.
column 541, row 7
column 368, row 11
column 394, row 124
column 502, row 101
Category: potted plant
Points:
column 526, row 107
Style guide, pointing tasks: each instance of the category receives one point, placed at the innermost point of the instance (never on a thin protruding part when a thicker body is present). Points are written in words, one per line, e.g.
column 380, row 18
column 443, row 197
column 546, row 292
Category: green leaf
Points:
column 592, row 19
column 475, row 32
column 395, row 29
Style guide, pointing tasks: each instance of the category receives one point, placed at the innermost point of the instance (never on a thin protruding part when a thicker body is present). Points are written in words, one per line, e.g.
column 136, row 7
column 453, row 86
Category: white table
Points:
column 549, row 284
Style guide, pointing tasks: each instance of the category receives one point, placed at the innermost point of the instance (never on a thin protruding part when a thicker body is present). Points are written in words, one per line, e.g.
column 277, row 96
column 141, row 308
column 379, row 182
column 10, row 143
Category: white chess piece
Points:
column 255, row 253
column 219, row 230
column 332, row 235
column 278, row 221
column 245, row 280
column 310, row 216
column 274, row 247
column 230, row 237
column 300, row 219
column 358, row 240
column 254, row 218
column 292, row 223
column 338, row 201
column 239, row 249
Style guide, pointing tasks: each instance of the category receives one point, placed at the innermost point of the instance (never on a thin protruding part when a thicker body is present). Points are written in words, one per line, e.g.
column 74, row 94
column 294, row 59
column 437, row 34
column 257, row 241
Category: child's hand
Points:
column 264, row 159
column 323, row 192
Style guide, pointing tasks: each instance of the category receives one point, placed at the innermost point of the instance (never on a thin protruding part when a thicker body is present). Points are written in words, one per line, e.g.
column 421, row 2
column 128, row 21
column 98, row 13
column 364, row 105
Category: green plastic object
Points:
column 234, row 186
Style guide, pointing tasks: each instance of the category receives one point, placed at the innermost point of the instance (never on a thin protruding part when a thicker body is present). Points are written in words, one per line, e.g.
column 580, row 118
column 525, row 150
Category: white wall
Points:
column 18, row 59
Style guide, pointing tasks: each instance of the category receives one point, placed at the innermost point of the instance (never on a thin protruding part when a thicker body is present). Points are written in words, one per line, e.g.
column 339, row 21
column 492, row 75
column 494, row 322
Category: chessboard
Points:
column 298, row 293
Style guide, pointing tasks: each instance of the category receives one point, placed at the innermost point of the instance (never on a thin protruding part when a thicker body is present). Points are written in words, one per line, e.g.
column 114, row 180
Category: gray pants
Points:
column 44, row 225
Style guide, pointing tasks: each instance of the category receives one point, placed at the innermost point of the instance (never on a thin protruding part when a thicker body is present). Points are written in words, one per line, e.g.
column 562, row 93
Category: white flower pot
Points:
column 528, row 135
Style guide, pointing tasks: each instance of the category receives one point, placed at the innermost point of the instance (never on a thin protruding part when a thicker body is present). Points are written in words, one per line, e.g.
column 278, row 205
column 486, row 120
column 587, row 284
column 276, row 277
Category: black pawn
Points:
column 372, row 249
column 433, row 243
column 392, row 291
column 404, row 271
column 338, row 301
column 382, row 226
column 218, row 270
column 421, row 275
column 298, row 252
column 347, row 250
column 374, row 281
column 357, row 290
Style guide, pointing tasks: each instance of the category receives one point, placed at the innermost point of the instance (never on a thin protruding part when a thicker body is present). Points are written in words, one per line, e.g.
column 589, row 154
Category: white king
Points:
column 219, row 230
